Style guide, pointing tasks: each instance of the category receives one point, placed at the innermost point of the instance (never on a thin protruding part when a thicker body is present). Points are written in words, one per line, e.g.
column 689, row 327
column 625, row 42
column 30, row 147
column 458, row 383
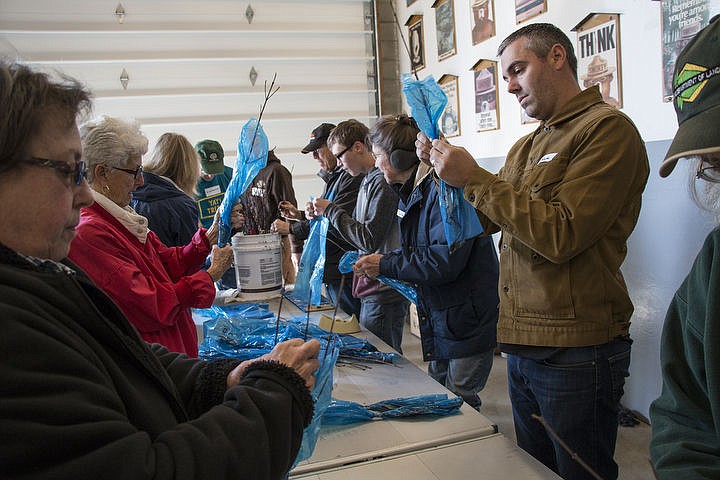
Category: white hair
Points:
column 111, row 141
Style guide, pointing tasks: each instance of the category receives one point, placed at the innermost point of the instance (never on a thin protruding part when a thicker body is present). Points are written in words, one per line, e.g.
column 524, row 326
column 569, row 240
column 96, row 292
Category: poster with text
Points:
column 450, row 118
column 445, row 25
column 486, row 96
column 527, row 9
column 681, row 20
column 483, row 20
column 598, row 55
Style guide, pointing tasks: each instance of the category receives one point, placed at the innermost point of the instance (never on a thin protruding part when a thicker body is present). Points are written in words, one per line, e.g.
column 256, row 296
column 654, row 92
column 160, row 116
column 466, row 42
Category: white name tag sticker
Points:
column 547, row 158
column 400, row 213
column 214, row 190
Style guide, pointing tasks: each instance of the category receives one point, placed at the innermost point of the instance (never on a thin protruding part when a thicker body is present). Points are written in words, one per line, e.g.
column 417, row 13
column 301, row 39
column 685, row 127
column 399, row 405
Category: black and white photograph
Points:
column 416, row 43
column 450, row 118
column 445, row 28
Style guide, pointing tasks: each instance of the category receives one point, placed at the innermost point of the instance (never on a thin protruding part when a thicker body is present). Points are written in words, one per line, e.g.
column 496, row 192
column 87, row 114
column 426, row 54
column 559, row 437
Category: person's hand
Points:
column 310, row 210
column 455, row 165
column 423, row 145
column 221, row 260
column 212, row 233
column 296, row 259
column 368, row 265
column 295, row 353
column 289, row 211
column 320, row 204
column 237, row 218
column 281, row 227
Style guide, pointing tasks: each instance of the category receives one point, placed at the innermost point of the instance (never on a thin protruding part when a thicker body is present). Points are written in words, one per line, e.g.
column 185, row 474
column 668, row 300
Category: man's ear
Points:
column 558, row 56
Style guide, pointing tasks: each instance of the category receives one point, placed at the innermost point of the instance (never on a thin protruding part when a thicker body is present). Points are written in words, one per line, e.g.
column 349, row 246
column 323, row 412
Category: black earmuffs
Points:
column 402, row 160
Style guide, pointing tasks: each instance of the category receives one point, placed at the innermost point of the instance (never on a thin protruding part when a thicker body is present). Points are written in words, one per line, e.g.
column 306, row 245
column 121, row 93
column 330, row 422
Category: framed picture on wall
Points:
column 527, row 9
column 598, row 55
column 410, row 2
column 450, row 118
column 416, row 42
column 681, row 20
column 445, row 26
column 486, row 95
column 526, row 119
column 483, row 20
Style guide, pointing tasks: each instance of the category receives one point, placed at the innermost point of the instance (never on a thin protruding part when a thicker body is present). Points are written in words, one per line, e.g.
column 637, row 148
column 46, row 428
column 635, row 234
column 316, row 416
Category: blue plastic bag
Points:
column 252, row 157
column 309, row 278
column 321, row 395
column 405, row 289
column 427, row 100
column 343, row 412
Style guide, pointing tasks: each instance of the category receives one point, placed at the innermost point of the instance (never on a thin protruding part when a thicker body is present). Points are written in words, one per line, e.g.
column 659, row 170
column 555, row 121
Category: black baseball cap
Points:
column 318, row 137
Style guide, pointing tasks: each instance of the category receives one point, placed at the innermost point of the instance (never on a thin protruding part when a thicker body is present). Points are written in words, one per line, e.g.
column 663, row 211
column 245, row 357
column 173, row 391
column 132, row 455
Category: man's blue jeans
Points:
column 465, row 376
column 577, row 391
column 386, row 320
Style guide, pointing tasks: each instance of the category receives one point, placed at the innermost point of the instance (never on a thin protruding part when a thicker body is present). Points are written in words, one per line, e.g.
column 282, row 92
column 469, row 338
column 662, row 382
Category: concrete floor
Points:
column 632, row 443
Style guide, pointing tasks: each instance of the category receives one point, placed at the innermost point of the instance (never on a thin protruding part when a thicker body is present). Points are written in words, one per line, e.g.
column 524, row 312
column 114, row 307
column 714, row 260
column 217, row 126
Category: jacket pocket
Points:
column 542, row 289
column 545, row 176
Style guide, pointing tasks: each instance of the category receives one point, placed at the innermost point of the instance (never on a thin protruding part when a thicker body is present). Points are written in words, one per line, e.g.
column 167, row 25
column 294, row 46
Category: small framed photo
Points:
column 598, row 55
column 483, row 18
column 527, row 9
column 486, row 95
column 416, row 42
column 450, row 118
column 445, row 25
column 409, row 2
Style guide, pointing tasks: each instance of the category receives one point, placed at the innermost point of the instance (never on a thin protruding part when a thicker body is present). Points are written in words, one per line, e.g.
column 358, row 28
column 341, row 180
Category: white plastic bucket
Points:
column 258, row 264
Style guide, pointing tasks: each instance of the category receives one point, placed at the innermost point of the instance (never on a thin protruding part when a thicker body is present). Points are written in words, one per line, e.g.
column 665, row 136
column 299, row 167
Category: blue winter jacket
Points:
column 457, row 292
column 171, row 213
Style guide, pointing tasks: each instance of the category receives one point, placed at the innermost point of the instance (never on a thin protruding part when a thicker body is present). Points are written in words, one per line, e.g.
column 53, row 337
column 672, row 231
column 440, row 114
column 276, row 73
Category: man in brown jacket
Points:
column 566, row 201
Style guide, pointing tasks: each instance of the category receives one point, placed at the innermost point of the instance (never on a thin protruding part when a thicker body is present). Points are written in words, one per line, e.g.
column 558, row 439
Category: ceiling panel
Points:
column 188, row 64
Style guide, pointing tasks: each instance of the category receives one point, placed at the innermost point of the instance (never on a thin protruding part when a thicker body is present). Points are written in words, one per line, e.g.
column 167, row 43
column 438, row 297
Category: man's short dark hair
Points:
column 348, row 132
column 539, row 38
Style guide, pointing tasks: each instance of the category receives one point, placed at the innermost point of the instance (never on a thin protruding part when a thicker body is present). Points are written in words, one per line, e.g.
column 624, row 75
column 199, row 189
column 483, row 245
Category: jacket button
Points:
column 504, row 246
column 535, row 256
column 472, row 197
column 506, row 289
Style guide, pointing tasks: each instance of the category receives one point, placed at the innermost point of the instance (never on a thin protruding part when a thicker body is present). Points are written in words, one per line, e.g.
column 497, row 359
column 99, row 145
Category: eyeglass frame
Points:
column 134, row 173
column 339, row 155
column 700, row 174
column 76, row 174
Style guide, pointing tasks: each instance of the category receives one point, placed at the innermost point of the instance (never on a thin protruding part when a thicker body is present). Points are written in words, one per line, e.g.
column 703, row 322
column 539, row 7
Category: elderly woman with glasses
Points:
column 81, row 395
column 153, row 284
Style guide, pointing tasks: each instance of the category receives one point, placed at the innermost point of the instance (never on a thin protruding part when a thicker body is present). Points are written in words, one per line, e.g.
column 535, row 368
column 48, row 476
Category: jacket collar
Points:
column 575, row 107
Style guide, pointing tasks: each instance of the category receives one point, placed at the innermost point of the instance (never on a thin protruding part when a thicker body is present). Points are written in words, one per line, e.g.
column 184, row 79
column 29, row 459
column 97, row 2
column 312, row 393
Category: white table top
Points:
column 495, row 457
column 411, row 447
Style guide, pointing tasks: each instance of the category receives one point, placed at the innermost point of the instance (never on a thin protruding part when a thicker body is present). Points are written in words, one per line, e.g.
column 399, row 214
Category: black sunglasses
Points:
column 77, row 173
column 134, row 173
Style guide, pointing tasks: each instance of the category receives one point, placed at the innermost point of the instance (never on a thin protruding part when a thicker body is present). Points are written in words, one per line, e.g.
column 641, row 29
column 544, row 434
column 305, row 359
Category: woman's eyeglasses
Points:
column 134, row 173
column 77, row 173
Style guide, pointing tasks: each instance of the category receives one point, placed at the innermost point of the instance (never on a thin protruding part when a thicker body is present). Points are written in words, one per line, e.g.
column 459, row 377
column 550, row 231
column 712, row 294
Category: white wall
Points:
column 671, row 229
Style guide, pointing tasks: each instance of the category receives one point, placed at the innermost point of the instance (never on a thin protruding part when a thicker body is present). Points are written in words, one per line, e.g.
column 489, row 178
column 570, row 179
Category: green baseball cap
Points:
column 696, row 97
column 211, row 156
